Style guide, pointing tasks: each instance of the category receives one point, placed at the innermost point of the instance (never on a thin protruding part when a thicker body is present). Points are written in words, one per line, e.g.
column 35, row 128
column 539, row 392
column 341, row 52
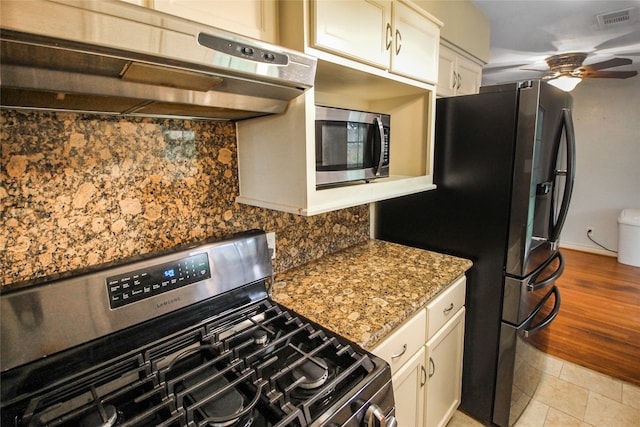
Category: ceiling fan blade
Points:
column 501, row 68
column 615, row 62
column 539, row 70
column 608, row 74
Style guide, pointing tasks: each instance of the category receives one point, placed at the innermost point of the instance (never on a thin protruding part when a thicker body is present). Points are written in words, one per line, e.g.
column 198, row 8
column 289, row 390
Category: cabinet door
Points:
column 444, row 366
column 359, row 29
column 416, row 41
column 469, row 75
column 252, row 18
column 447, row 76
column 408, row 391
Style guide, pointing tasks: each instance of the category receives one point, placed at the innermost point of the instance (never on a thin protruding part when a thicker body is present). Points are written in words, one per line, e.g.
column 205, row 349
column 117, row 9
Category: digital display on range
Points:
column 137, row 285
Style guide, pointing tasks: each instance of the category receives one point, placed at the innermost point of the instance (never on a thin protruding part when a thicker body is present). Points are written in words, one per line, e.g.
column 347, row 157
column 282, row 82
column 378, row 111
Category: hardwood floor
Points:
column 598, row 325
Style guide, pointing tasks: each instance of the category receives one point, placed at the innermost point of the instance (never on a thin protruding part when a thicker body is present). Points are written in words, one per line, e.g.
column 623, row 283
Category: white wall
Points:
column 606, row 117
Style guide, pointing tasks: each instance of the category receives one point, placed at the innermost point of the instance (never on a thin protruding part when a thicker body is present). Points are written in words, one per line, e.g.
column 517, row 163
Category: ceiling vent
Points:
column 616, row 19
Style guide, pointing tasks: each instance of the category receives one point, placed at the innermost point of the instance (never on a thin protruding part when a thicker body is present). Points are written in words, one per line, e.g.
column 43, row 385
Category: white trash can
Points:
column 629, row 237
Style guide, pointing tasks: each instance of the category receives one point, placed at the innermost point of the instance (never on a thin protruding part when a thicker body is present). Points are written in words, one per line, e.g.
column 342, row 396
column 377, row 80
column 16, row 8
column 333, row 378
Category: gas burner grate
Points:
column 259, row 366
column 123, row 393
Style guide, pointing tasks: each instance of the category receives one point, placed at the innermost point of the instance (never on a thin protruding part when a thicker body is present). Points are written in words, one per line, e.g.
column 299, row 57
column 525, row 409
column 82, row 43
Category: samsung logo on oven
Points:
column 168, row 302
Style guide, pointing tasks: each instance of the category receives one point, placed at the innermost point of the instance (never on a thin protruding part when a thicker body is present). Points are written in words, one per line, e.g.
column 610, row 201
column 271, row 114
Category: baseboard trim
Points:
column 589, row 249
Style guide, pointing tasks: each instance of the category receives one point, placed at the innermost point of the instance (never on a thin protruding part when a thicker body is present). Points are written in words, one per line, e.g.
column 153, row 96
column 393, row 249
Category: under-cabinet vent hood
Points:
column 118, row 58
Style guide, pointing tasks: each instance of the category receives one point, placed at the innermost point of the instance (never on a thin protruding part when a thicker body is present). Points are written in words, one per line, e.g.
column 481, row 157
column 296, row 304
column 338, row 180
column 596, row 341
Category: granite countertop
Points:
column 365, row 291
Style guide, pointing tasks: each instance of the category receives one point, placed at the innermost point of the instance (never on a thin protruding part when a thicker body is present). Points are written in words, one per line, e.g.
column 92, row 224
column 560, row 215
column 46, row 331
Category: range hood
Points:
column 118, row 58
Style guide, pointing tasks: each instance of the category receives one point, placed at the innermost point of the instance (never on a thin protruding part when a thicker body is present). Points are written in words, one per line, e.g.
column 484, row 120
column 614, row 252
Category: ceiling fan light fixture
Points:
column 566, row 83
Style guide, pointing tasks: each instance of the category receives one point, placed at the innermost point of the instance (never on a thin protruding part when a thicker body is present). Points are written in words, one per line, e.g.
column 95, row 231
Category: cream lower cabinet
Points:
column 409, row 390
column 405, row 352
column 444, row 384
column 457, row 74
column 425, row 355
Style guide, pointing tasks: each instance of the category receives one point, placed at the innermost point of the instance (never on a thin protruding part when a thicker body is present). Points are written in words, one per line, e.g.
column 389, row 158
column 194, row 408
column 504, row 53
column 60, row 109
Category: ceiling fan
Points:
column 567, row 69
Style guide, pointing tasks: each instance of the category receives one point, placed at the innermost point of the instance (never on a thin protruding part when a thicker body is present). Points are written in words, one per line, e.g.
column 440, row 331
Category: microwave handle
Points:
column 381, row 150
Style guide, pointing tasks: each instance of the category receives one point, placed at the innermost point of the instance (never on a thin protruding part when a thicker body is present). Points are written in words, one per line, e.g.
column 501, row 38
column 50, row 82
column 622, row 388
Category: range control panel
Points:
column 137, row 285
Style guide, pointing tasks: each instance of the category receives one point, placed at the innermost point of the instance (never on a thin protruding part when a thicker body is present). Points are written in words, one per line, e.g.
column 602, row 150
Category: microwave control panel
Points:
column 137, row 285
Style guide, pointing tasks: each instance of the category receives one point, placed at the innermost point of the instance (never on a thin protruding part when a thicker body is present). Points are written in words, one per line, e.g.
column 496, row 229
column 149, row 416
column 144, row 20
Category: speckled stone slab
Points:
column 365, row 291
column 81, row 190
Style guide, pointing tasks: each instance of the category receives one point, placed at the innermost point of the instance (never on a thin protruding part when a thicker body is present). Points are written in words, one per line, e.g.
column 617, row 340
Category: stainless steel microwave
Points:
column 350, row 146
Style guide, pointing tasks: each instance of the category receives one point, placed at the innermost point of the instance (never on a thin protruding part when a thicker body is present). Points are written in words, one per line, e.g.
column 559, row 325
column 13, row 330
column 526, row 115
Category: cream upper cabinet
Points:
column 252, row 18
column 276, row 154
column 394, row 35
column 359, row 29
column 457, row 73
column 416, row 41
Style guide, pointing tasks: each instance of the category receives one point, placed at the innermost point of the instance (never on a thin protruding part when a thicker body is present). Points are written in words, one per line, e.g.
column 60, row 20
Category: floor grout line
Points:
column 599, row 389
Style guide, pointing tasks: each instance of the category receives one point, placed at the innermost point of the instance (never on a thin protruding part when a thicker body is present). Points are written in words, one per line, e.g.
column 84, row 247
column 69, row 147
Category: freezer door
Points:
column 523, row 295
column 519, row 367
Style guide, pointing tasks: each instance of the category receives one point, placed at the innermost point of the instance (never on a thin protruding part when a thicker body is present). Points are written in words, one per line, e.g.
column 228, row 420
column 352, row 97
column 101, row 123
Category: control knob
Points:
column 374, row 417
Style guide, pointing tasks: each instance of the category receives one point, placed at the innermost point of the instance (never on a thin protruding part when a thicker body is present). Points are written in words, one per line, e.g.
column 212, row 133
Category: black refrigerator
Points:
column 504, row 167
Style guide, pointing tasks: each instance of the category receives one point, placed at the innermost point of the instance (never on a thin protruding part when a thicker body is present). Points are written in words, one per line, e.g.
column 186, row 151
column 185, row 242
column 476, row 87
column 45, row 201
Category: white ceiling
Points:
column 525, row 32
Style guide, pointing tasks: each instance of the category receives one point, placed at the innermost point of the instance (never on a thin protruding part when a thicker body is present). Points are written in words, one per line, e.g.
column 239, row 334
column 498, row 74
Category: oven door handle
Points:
column 545, row 322
column 533, row 285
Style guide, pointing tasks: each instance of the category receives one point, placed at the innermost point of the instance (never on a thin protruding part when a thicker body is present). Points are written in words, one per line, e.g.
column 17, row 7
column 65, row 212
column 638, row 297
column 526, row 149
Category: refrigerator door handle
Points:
column 547, row 320
column 533, row 285
column 569, row 173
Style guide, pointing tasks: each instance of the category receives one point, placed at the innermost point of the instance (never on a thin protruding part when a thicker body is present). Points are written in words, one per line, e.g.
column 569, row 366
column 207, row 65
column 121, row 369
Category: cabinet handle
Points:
column 388, row 36
column 432, row 364
column 455, row 80
column 424, row 376
column 459, row 81
column 448, row 309
column 398, row 42
column 404, row 350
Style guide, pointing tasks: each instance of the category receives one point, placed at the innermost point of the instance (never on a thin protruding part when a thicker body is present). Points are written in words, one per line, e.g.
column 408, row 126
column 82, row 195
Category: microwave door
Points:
column 331, row 153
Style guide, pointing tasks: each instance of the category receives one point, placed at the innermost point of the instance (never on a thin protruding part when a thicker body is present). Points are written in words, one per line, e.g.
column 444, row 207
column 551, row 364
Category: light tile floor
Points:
column 570, row 395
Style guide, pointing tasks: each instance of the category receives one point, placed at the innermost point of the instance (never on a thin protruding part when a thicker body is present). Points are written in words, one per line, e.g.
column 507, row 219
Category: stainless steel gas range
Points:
column 187, row 338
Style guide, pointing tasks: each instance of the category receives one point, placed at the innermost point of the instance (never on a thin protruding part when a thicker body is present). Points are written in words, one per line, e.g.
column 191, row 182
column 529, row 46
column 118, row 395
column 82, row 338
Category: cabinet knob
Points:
column 374, row 417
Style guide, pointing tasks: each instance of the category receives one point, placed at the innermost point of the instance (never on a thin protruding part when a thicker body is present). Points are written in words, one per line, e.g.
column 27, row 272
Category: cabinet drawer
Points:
column 443, row 308
column 398, row 347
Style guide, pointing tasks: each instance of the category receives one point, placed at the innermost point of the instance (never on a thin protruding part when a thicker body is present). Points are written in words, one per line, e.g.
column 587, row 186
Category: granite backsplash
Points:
column 81, row 190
